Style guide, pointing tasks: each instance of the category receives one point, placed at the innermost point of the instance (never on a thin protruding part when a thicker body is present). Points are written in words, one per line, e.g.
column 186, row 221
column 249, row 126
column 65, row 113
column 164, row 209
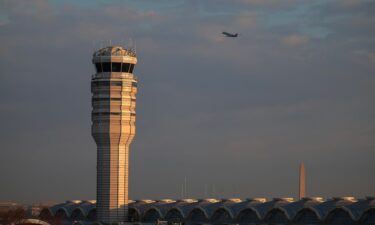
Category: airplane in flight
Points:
column 226, row 34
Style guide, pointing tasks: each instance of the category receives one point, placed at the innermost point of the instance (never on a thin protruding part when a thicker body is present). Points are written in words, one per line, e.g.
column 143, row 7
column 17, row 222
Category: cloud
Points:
column 132, row 14
column 295, row 40
column 245, row 19
column 350, row 3
column 365, row 57
column 37, row 9
column 268, row 3
column 202, row 98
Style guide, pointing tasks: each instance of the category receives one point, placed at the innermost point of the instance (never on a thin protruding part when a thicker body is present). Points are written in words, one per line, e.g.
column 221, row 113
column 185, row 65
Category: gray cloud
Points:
column 238, row 113
column 295, row 39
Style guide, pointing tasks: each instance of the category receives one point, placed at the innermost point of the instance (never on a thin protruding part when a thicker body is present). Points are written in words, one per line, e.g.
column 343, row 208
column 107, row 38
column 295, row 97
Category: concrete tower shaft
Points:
column 114, row 89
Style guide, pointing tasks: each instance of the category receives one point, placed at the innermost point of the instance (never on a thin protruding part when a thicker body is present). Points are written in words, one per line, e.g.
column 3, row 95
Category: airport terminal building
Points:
column 257, row 211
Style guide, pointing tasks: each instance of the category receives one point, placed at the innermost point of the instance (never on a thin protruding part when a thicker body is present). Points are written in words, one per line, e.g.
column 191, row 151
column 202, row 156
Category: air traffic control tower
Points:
column 114, row 89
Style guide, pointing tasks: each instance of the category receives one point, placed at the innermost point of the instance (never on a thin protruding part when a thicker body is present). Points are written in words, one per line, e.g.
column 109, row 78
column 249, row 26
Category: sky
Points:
column 235, row 116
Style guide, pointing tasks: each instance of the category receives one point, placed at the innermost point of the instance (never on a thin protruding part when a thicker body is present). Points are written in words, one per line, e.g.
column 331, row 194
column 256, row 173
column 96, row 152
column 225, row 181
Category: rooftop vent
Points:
column 236, row 200
column 74, row 201
column 167, row 200
column 90, row 201
column 147, row 201
column 256, row 199
column 286, row 199
column 318, row 199
column 351, row 199
column 211, row 200
column 188, row 200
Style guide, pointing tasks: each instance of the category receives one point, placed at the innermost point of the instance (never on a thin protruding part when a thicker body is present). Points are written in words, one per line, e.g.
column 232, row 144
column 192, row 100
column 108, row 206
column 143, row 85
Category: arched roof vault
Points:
column 178, row 209
column 269, row 212
column 82, row 211
column 200, row 209
column 63, row 209
column 307, row 208
column 316, row 211
column 332, row 211
column 366, row 213
column 153, row 208
column 301, row 214
column 136, row 209
column 228, row 210
column 49, row 211
column 285, row 211
column 250, row 208
column 350, row 212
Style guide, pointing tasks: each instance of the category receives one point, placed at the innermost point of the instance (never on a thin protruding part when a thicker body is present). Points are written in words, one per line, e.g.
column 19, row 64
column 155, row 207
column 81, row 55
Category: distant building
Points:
column 302, row 181
column 114, row 89
column 8, row 205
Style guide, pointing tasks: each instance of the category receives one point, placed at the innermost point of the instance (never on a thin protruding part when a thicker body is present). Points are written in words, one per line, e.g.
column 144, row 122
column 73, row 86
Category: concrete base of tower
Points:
column 114, row 216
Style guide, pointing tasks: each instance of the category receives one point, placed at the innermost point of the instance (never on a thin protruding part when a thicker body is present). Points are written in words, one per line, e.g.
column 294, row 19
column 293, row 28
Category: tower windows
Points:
column 106, row 67
column 106, row 113
column 99, row 68
column 131, row 68
column 114, row 67
column 105, row 99
column 125, row 67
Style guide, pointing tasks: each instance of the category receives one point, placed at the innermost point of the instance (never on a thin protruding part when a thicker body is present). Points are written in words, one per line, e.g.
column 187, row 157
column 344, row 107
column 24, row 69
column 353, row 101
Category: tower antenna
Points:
column 135, row 47
column 130, row 43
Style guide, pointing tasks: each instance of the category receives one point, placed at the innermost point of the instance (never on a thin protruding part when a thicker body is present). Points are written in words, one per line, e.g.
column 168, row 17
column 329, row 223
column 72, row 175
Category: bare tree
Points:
column 13, row 216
